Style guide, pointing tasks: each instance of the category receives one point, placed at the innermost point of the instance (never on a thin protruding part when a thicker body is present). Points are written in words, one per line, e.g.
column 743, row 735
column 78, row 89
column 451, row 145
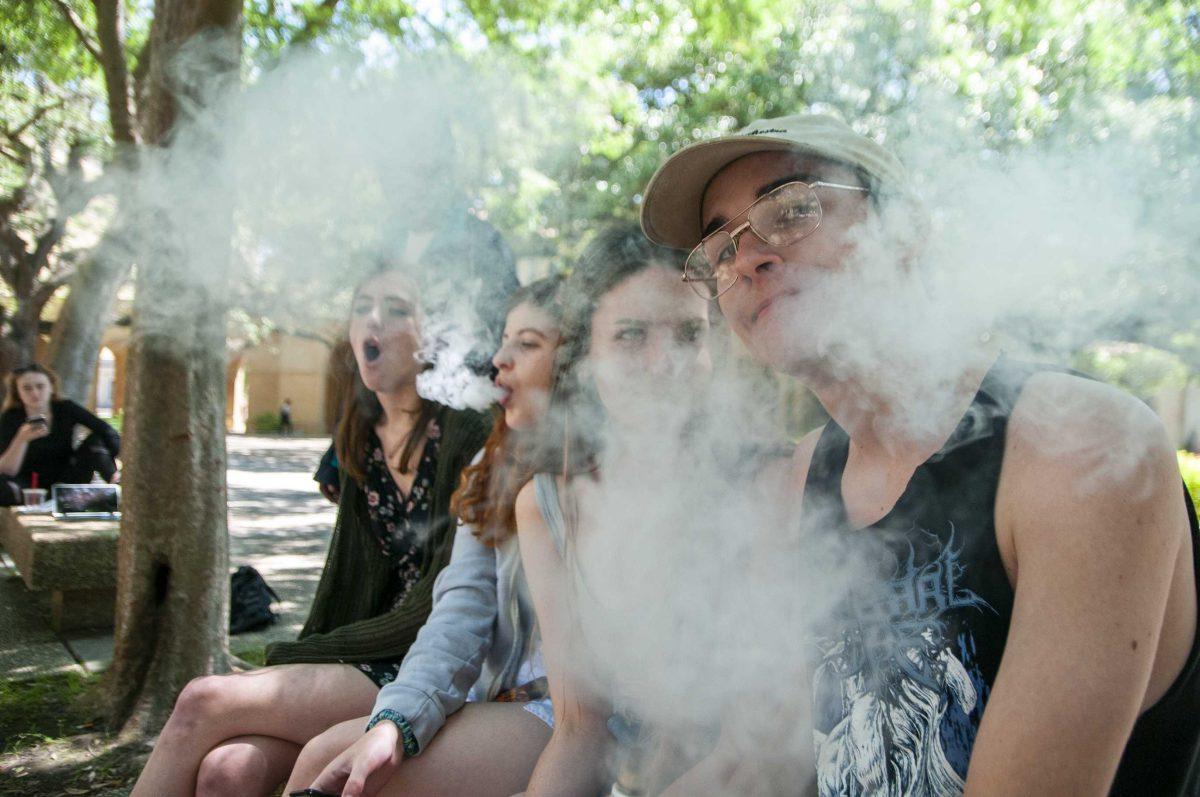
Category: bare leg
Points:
column 483, row 749
column 293, row 702
column 246, row 766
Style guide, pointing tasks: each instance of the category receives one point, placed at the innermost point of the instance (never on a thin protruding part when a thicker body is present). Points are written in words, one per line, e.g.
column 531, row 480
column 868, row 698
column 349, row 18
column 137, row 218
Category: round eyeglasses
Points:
column 780, row 217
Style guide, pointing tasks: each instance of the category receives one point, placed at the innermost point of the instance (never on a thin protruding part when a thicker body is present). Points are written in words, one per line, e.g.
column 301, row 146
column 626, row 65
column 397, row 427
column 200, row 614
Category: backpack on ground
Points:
column 250, row 598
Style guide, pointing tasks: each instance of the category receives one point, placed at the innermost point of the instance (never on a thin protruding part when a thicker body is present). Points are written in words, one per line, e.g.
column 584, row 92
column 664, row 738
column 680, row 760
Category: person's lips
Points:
column 371, row 350
column 505, row 394
column 765, row 305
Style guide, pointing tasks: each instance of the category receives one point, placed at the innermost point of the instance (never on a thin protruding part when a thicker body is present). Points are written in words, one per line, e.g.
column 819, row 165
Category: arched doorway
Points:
column 106, row 378
column 241, row 402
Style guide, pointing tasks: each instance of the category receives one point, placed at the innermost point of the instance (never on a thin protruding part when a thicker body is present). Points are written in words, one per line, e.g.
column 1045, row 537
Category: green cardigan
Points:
column 350, row 621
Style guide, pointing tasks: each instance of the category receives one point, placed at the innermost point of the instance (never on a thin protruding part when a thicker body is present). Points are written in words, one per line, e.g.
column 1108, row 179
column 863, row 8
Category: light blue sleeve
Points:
column 446, row 658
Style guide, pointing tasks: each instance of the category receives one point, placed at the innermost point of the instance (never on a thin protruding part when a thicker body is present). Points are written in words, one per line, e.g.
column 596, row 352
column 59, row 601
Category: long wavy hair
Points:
column 12, row 396
column 361, row 410
column 570, row 440
column 487, row 494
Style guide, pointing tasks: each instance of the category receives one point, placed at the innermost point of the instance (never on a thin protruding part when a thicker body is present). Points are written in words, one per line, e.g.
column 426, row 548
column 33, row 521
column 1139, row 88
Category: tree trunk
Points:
column 23, row 331
column 75, row 343
column 172, row 582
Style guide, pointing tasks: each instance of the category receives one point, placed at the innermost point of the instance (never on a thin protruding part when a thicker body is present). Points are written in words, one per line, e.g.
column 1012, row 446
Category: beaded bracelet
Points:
column 407, row 738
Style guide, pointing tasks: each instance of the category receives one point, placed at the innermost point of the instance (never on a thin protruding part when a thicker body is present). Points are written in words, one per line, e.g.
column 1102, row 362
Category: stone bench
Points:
column 75, row 561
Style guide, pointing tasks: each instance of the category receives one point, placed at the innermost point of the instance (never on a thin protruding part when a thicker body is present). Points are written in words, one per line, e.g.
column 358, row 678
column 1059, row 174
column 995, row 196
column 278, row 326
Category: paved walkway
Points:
column 278, row 523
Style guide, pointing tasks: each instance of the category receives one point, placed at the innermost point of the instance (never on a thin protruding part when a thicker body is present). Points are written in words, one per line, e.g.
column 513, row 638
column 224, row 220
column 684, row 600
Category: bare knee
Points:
column 229, row 770
column 200, row 701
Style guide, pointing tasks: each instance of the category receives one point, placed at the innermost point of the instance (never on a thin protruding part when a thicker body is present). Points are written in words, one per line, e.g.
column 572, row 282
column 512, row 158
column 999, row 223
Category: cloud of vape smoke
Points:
column 697, row 593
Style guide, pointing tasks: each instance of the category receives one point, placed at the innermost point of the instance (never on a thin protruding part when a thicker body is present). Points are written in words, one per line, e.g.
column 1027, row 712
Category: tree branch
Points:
column 46, row 243
column 8, row 262
column 46, row 288
column 80, row 31
column 14, row 157
column 116, row 71
column 32, row 120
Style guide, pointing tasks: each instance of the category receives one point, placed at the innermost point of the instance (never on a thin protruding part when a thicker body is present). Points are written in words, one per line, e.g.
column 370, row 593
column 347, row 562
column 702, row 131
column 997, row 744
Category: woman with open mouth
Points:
column 469, row 712
column 401, row 458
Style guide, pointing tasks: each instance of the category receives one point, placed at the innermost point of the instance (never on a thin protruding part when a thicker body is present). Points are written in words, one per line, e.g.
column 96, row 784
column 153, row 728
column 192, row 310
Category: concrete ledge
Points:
column 75, row 561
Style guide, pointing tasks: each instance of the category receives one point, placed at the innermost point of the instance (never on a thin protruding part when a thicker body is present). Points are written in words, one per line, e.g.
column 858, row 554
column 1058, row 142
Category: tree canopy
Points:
column 611, row 88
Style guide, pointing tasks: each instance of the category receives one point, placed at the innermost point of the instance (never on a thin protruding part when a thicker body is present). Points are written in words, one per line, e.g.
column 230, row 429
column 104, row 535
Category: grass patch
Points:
column 46, row 708
column 256, row 655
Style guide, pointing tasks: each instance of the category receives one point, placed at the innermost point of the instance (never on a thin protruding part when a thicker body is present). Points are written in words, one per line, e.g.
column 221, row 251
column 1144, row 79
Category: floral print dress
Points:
column 399, row 524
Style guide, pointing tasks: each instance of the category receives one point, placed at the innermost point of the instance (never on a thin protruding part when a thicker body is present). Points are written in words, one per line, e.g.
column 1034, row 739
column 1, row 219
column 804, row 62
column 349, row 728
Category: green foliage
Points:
column 265, row 423
column 610, row 89
column 1189, row 466
column 1136, row 368
column 636, row 80
column 51, row 91
column 255, row 655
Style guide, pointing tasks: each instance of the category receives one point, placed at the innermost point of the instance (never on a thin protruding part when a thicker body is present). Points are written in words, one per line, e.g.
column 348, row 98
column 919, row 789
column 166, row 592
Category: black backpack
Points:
column 250, row 600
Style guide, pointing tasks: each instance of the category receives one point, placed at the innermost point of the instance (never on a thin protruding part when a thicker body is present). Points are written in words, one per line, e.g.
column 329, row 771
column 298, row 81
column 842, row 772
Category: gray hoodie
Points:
column 481, row 631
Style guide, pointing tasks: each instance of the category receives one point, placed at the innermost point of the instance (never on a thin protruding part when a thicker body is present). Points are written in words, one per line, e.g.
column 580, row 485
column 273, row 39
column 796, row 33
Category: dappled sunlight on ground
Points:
column 279, row 523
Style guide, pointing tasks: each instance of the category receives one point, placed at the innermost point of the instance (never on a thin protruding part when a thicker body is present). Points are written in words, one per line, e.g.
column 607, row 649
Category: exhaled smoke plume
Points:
column 697, row 593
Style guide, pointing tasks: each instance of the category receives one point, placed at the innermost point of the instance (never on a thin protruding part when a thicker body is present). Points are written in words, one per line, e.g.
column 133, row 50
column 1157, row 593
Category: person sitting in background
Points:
column 37, row 430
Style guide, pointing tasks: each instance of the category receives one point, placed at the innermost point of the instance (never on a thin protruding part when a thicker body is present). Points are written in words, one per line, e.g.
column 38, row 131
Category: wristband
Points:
column 407, row 738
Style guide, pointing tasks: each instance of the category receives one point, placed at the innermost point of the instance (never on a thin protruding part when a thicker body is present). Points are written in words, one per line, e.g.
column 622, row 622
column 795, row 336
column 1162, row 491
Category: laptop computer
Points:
column 86, row 501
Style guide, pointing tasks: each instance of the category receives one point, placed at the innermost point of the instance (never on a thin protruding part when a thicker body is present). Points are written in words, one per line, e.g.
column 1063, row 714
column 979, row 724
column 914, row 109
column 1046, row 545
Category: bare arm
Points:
column 1091, row 509
column 14, row 454
column 572, row 762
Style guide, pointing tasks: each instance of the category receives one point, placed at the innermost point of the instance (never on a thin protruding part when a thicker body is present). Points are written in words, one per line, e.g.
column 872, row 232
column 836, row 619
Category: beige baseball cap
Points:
column 671, row 203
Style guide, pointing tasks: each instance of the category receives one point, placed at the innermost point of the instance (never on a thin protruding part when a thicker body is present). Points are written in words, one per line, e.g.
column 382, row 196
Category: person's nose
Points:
column 375, row 318
column 663, row 355
column 754, row 256
column 502, row 359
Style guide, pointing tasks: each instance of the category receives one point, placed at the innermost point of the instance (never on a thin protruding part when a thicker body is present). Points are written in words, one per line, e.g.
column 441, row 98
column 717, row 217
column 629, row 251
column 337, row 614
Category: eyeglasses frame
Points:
column 745, row 225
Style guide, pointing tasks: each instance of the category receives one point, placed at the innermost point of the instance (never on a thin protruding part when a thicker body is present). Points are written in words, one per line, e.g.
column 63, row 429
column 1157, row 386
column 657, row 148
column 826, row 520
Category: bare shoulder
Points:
column 1085, row 459
column 1086, row 428
column 529, row 516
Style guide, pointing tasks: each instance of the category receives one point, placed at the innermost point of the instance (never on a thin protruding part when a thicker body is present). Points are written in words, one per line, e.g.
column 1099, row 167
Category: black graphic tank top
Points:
column 903, row 671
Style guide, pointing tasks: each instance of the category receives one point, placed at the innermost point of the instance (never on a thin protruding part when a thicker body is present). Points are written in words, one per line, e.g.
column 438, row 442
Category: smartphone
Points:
column 311, row 793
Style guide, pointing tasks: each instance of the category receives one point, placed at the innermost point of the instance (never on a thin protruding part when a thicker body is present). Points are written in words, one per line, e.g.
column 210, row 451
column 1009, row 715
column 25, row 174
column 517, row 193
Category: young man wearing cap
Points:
column 1029, row 624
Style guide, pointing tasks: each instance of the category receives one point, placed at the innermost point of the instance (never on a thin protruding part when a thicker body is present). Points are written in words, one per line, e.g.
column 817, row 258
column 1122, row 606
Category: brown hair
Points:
column 12, row 398
column 361, row 411
column 569, row 442
column 487, row 494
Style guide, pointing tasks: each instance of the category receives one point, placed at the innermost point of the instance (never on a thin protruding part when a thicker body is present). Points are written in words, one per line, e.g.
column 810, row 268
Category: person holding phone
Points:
column 37, row 434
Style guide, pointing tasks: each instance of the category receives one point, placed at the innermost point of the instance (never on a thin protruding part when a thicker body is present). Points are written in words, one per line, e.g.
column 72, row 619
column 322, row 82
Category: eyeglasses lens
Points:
column 782, row 217
column 786, row 215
